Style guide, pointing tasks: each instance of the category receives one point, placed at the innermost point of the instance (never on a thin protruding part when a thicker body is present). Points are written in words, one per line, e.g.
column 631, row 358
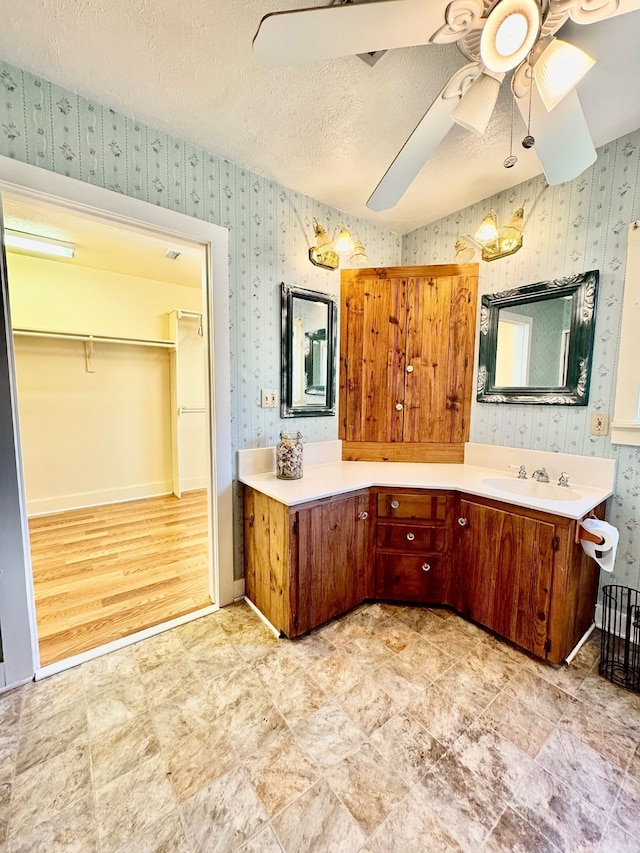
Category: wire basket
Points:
column 620, row 644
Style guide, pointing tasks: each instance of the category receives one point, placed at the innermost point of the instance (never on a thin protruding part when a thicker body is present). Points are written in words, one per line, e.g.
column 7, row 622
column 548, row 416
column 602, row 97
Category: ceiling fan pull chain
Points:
column 529, row 141
column 511, row 160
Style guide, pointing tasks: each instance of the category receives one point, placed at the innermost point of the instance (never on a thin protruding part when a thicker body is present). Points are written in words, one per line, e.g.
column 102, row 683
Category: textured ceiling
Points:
column 329, row 130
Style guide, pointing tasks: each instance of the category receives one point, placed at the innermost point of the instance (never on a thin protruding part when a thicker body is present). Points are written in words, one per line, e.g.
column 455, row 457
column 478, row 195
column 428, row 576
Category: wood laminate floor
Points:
column 106, row 572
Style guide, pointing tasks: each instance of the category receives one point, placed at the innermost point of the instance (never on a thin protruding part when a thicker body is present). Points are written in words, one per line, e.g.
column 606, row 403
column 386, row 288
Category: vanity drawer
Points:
column 407, row 505
column 409, row 577
column 410, row 537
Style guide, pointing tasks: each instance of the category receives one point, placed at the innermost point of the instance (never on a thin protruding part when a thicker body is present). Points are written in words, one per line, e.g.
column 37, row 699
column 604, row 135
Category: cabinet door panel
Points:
column 332, row 556
column 372, row 360
column 506, row 565
column 440, row 336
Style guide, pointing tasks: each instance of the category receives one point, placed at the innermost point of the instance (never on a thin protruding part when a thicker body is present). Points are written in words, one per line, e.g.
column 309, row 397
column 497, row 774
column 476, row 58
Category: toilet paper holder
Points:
column 582, row 533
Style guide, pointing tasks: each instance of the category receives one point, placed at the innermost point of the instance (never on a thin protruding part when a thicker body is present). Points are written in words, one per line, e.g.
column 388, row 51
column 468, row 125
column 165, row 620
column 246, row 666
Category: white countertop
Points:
column 334, row 478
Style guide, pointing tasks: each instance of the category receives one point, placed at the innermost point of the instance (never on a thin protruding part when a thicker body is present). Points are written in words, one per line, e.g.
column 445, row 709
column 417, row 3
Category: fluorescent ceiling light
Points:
column 38, row 245
column 558, row 69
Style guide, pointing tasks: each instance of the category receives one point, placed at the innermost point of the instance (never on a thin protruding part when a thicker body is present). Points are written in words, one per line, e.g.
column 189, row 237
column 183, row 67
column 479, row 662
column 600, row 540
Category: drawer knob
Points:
column 409, row 368
column 395, row 504
column 463, row 522
column 399, row 407
column 425, row 567
column 411, row 536
column 363, row 515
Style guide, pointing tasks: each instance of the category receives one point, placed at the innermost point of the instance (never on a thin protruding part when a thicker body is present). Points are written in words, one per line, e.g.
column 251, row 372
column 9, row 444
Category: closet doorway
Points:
column 111, row 348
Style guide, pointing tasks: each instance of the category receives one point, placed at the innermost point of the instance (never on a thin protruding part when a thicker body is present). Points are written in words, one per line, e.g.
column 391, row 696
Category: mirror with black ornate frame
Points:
column 308, row 353
column 536, row 342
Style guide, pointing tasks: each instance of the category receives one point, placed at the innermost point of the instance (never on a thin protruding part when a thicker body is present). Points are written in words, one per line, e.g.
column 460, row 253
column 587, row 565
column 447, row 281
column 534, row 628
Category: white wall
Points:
column 92, row 438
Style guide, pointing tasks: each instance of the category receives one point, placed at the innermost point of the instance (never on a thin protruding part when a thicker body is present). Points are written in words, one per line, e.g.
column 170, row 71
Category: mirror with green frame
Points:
column 536, row 342
column 308, row 353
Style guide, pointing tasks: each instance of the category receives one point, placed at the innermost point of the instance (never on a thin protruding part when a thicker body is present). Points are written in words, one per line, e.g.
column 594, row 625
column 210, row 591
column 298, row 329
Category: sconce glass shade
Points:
column 477, row 104
column 510, row 235
column 464, row 253
column 323, row 253
column 511, row 30
column 558, row 69
column 488, row 230
column 344, row 241
column 359, row 258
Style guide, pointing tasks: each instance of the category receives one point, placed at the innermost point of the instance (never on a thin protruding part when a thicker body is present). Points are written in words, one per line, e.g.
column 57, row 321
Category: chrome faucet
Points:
column 541, row 475
column 564, row 480
column 522, row 471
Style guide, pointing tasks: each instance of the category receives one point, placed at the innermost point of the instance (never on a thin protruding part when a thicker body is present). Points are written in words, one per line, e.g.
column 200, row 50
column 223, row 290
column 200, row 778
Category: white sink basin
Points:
column 531, row 489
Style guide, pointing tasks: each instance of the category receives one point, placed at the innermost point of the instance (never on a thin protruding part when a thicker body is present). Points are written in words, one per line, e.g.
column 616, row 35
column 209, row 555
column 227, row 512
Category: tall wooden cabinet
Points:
column 406, row 361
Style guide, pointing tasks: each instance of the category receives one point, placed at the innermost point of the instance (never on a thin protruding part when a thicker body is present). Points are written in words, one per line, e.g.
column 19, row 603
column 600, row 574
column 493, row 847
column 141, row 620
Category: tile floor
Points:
column 391, row 729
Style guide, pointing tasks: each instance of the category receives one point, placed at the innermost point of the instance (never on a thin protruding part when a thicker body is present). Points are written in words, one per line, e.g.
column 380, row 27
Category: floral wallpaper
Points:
column 270, row 227
column 571, row 228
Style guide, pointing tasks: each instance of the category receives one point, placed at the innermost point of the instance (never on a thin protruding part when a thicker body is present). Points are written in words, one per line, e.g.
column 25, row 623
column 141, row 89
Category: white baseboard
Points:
column 238, row 589
column 598, row 615
column 193, row 484
column 64, row 503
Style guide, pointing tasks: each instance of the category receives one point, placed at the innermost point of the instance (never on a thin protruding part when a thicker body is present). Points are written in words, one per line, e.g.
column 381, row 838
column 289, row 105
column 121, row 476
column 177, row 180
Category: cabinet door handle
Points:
column 411, row 536
column 425, row 567
column 409, row 368
column 399, row 407
column 463, row 522
column 395, row 504
column 363, row 515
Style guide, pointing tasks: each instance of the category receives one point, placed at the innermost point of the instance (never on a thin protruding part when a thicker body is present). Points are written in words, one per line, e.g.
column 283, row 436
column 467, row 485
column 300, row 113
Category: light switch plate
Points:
column 268, row 398
column 599, row 423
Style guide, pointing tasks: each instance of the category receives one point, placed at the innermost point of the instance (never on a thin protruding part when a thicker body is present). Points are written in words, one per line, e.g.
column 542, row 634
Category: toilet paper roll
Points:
column 604, row 554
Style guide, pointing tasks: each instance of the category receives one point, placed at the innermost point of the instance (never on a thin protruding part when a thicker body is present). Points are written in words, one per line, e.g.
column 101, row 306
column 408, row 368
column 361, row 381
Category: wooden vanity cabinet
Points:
column 412, row 550
column 521, row 573
column 406, row 362
column 307, row 563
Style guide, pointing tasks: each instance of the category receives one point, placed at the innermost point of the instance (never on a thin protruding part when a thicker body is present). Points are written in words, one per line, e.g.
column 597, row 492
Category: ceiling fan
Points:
column 497, row 37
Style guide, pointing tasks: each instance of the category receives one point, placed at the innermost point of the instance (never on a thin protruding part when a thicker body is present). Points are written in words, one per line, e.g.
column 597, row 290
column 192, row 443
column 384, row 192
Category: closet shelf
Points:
column 96, row 339
column 190, row 410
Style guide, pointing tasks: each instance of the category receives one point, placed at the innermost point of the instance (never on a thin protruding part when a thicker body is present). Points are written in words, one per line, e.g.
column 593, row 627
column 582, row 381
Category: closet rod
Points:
column 190, row 410
column 99, row 339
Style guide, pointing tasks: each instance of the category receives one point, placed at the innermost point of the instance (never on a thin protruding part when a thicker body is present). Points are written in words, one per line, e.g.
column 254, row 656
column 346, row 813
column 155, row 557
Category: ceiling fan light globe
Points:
column 477, row 104
column 511, row 30
column 558, row 70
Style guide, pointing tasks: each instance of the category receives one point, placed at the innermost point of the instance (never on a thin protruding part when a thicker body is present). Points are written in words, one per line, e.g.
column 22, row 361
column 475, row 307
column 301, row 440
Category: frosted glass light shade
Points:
column 344, row 241
column 464, row 253
column 359, row 258
column 488, row 230
column 558, row 69
column 477, row 104
column 511, row 30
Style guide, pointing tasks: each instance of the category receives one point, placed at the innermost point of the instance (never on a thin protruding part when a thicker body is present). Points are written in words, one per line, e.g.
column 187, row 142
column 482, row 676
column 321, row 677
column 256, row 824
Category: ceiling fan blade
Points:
column 431, row 130
column 563, row 141
column 308, row 35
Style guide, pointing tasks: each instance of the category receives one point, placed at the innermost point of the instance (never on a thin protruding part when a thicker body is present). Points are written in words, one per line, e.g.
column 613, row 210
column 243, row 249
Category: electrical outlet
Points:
column 599, row 423
column 268, row 398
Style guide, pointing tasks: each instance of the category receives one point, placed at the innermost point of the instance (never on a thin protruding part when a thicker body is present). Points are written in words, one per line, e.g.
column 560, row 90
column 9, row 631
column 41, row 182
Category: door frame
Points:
column 40, row 184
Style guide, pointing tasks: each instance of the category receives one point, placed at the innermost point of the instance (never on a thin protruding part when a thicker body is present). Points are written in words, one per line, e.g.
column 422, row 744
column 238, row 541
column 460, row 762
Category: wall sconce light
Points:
column 326, row 252
column 492, row 242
